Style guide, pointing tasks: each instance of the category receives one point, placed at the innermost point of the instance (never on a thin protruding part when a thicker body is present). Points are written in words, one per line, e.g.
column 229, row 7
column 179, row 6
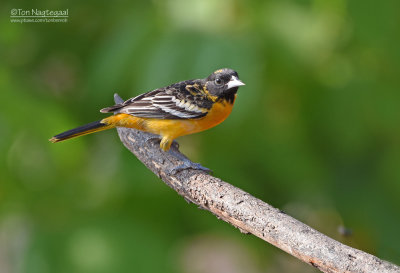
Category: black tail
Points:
column 82, row 130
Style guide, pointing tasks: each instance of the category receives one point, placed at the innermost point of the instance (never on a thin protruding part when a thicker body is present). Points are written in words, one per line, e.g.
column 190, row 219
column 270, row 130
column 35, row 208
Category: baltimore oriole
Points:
column 179, row 109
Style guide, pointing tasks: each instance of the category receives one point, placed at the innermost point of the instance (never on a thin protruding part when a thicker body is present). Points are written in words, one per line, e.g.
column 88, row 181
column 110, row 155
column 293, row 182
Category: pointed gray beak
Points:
column 234, row 82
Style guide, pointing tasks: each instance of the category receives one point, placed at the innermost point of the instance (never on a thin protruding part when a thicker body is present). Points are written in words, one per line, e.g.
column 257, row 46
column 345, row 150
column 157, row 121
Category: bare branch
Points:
column 250, row 214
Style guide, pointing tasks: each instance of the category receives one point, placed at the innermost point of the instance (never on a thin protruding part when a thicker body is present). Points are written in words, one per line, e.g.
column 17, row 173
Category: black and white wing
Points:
column 166, row 103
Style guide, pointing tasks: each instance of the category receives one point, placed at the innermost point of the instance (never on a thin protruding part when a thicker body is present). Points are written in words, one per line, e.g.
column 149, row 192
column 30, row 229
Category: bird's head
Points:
column 223, row 83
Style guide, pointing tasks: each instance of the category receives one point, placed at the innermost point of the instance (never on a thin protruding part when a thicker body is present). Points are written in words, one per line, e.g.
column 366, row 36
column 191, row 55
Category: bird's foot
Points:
column 187, row 164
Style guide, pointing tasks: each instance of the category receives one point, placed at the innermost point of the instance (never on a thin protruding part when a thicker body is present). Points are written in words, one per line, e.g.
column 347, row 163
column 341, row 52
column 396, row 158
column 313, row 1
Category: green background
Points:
column 315, row 131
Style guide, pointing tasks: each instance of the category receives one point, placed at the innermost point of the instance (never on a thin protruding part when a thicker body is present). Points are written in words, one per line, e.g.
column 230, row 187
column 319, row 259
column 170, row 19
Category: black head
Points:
column 223, row 83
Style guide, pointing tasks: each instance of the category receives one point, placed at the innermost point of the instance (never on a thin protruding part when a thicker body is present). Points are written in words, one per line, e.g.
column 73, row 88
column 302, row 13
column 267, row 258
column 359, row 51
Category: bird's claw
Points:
column 187, row 164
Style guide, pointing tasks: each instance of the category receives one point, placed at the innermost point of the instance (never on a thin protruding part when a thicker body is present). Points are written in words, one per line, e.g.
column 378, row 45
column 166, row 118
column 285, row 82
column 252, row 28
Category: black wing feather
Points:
column 184, row 100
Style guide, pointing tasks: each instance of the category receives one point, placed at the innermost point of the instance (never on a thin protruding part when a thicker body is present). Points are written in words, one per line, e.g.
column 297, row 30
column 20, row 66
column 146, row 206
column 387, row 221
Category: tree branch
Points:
column 250, row 214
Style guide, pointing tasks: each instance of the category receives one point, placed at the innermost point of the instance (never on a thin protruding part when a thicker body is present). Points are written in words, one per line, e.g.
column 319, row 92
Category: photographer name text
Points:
column 39, row 13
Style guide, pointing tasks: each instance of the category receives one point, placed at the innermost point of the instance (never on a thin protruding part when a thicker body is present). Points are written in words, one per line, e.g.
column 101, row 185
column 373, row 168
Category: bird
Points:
column 176, row 110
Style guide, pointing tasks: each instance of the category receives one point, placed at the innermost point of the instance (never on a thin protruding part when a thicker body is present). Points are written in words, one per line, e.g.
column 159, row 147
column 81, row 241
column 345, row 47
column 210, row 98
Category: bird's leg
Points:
column 187, row 164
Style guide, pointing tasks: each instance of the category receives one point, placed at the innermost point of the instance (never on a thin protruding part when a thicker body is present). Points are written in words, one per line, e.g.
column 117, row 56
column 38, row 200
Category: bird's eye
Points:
column 218, row 81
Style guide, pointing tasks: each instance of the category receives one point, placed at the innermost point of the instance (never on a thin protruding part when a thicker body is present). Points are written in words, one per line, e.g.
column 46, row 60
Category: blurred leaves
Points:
column 315, row 131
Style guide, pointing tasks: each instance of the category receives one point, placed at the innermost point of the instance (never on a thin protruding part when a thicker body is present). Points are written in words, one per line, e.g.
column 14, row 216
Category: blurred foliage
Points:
column 315, row 131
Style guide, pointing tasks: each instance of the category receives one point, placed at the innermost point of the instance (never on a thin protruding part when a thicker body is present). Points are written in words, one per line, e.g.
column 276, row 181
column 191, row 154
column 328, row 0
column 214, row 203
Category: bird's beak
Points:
column 234, row 82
